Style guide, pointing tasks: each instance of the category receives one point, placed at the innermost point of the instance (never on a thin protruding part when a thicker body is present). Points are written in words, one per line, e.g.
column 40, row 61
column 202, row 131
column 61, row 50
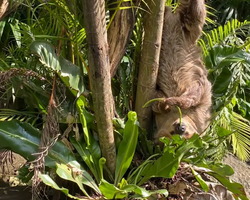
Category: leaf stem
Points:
column 180, row 114
column 152, row 100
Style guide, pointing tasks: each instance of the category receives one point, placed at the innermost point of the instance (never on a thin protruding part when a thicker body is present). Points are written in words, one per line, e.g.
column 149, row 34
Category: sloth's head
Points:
column 185, row 128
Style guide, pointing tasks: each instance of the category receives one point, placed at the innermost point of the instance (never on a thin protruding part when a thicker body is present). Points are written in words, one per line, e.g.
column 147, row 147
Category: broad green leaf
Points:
column 24, row 139
column 48, row 181
column 73, row 172
column 236, row 188
column 167, row 165
column 200, row 180
column 141, row 192
column 138, row 190
column 223, row 55
column 221, row 82
column 223, row 170
column 110, row 191
column 127, row 147
column 69, row 73
column 222, row 132
column 177, row 139
column 88, row 116
column 90, row 155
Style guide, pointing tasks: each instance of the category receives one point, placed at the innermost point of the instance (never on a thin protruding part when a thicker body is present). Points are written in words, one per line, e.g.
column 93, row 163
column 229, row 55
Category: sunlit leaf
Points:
column 70, row 74
column 24, row 139
column 200, row 180
column 127, row 147
column 46, row 179
column 73, row 172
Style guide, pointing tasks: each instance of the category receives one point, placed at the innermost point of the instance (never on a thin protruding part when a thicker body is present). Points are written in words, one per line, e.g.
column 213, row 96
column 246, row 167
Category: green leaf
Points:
column 24, row 139
column 200, row 180
column 222, row 82
column 24, row 174
column 127, row 147
column 16, row 31
column 80, row 108
column 2, row 26
column 223, row 55
column 176, row 139
column 68, row 72
column 110, row 191
column 90, row 155
column 73, row 172
column 143, row 192
column 222, row 132
column 48, row 181
column 223, row 170
column 236, row 188
column 167, row 165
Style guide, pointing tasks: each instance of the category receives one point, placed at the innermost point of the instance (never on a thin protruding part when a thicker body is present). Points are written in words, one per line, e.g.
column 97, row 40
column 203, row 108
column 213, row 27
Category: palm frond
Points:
column 23, row 116
column 228, row 34
column 241, row 136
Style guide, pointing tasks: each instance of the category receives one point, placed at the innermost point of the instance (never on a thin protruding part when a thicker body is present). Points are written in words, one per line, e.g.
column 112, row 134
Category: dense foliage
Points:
column 44, row 81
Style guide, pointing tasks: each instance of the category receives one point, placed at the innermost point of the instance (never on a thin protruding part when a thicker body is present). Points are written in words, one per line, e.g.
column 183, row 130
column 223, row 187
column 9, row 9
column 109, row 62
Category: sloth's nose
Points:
column 180, row 128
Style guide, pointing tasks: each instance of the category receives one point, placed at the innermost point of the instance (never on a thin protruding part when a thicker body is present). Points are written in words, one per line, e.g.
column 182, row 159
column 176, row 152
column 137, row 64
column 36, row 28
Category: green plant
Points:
column 43, row 41
column 227, row 59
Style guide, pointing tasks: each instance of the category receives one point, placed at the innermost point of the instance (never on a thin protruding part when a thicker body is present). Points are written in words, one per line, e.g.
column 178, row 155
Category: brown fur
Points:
column 182, row 77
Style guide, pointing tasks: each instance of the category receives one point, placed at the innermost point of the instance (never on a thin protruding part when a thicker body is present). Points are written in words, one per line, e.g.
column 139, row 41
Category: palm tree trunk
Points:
column 148, row 69
column 99, row 74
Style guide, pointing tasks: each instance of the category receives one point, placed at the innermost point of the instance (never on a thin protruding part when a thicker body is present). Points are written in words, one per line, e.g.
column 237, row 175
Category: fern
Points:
column 227, row 35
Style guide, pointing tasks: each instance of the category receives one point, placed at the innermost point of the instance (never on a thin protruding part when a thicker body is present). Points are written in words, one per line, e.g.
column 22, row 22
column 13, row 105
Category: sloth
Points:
column 182, row 78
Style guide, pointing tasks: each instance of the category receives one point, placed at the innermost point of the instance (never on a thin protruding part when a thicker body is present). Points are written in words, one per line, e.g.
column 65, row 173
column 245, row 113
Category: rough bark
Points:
column 148, row 69
column 119, row 33
column 99, row 74
column 3, row 7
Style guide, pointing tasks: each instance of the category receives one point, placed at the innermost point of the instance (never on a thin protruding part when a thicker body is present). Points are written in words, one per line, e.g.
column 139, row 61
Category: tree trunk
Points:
column 148, row 69
column 119, row 33
column 99, row 74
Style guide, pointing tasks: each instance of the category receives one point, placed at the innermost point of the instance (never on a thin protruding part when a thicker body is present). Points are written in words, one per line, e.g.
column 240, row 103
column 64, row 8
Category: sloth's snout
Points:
column 180, row 128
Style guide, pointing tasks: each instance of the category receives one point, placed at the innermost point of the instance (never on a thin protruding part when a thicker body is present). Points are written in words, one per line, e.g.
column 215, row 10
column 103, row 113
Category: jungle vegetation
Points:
column 71, row 73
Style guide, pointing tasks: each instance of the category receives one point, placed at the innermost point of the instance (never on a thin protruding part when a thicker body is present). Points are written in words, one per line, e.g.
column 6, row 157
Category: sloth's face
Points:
column 186, row 129
column 172, row 126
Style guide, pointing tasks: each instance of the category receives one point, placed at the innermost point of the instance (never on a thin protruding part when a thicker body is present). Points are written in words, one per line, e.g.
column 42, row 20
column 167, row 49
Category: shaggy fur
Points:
column 182, row 77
